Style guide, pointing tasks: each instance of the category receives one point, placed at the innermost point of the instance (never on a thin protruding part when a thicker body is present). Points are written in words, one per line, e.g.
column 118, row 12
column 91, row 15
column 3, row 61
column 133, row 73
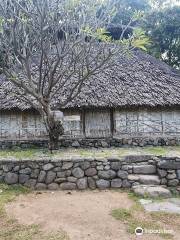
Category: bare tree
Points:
column 51, row 48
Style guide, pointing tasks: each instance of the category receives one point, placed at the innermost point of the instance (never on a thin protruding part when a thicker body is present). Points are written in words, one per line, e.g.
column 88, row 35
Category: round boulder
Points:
column 171, row 176
column 40, row 186
column 68, row 186
column 115, row 165
column 67, row 165
column 25, row 171
column 126, row 183
column 173, row 182
column 102, row 184
column 82, row 183
column 42, row 176
column 109, row 174
column 23, row 178
column 50, row 177
column 48, row 166
column 53, row 186
column 122, row 174
column 116, row 183
column 84, row 165
column 90, row 172
column 30, row 183
column 152, row 191
column 78, row 172
column 91, row 183
column 11, row 178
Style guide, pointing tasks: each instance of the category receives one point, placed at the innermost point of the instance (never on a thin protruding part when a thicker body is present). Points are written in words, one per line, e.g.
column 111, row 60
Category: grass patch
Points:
column 135, row 197
column 26, row 153
column 122, row 214
column 11, row 230
column 164, row 217
column 17, row 232
column 147, row 224
column 34, row 153
column 156, row 150
column 9, row 193
column 136, row 217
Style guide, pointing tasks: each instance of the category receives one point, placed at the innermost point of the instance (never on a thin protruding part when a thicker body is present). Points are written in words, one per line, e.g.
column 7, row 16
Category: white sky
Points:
column 168, row 3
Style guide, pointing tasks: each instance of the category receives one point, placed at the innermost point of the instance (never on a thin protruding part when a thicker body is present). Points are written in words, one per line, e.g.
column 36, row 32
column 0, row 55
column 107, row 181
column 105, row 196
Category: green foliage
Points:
column 140, row 39
column 132, row 11
column 102, row 34
column 129, row 8
column 137, row 15
column 99, row 33
column 163, row 27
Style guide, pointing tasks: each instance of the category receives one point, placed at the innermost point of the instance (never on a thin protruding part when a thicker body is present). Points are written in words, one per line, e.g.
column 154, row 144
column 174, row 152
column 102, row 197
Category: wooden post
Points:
column 83, row 123
column 162, row 122
column 112, row 122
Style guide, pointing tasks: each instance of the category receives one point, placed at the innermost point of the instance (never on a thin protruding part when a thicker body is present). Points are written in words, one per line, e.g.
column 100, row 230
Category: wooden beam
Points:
column 112, row 122
column 83, row 123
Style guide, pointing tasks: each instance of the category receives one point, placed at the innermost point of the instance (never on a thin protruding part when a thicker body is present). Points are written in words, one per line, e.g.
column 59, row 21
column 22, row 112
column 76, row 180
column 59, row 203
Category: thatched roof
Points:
column 137, row 80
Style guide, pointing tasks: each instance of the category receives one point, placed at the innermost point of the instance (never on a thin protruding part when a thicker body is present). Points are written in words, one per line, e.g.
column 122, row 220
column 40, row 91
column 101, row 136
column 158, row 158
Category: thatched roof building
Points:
column 139, row 95
column 136, row 80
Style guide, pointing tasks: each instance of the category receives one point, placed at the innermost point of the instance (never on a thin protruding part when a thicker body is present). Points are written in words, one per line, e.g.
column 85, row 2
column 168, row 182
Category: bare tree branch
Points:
column 53, row 47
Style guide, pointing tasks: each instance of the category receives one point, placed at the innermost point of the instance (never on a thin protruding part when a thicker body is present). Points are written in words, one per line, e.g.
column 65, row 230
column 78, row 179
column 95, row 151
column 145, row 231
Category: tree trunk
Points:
column 54, row 128
column 53, row 142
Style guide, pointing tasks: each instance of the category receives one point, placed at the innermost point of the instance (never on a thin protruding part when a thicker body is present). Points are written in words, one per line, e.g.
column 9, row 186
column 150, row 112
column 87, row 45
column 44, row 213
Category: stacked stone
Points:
column 104, row 143
column 169, row 171
column 114, row 142
column 83, row 173
column 74, row 174
column 67, row 175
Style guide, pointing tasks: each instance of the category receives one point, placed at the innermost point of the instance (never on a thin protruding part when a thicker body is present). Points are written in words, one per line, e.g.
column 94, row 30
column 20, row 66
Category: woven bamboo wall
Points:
column 97, row 123
column 92, row 123
column 21, row 125
column 146, row 122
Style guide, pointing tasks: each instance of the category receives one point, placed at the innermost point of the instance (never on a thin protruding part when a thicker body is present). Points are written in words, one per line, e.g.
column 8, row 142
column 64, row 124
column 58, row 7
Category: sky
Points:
column 166, row 2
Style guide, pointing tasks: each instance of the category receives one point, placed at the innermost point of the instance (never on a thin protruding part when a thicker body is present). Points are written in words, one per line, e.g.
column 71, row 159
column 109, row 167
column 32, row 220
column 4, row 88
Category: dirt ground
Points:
column 82, row 215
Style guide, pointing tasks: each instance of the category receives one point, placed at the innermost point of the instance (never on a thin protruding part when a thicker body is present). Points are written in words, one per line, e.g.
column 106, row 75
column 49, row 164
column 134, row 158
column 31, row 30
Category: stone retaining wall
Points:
column 99, row 142
column 82, row 173
column 169, row 171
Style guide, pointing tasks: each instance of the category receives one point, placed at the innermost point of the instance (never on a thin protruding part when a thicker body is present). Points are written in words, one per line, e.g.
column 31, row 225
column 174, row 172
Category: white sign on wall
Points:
column 58, row 115
column 72, row 118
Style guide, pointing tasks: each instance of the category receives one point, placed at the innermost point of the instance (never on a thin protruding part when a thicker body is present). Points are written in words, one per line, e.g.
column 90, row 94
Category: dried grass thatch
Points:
column 137, row 80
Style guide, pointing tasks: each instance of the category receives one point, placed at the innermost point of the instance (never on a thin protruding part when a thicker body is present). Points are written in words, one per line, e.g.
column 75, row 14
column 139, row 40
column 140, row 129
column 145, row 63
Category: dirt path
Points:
column 83, row 215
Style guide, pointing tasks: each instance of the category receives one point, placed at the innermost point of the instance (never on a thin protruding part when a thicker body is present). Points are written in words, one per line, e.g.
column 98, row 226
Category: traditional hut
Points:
column 139, row 97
